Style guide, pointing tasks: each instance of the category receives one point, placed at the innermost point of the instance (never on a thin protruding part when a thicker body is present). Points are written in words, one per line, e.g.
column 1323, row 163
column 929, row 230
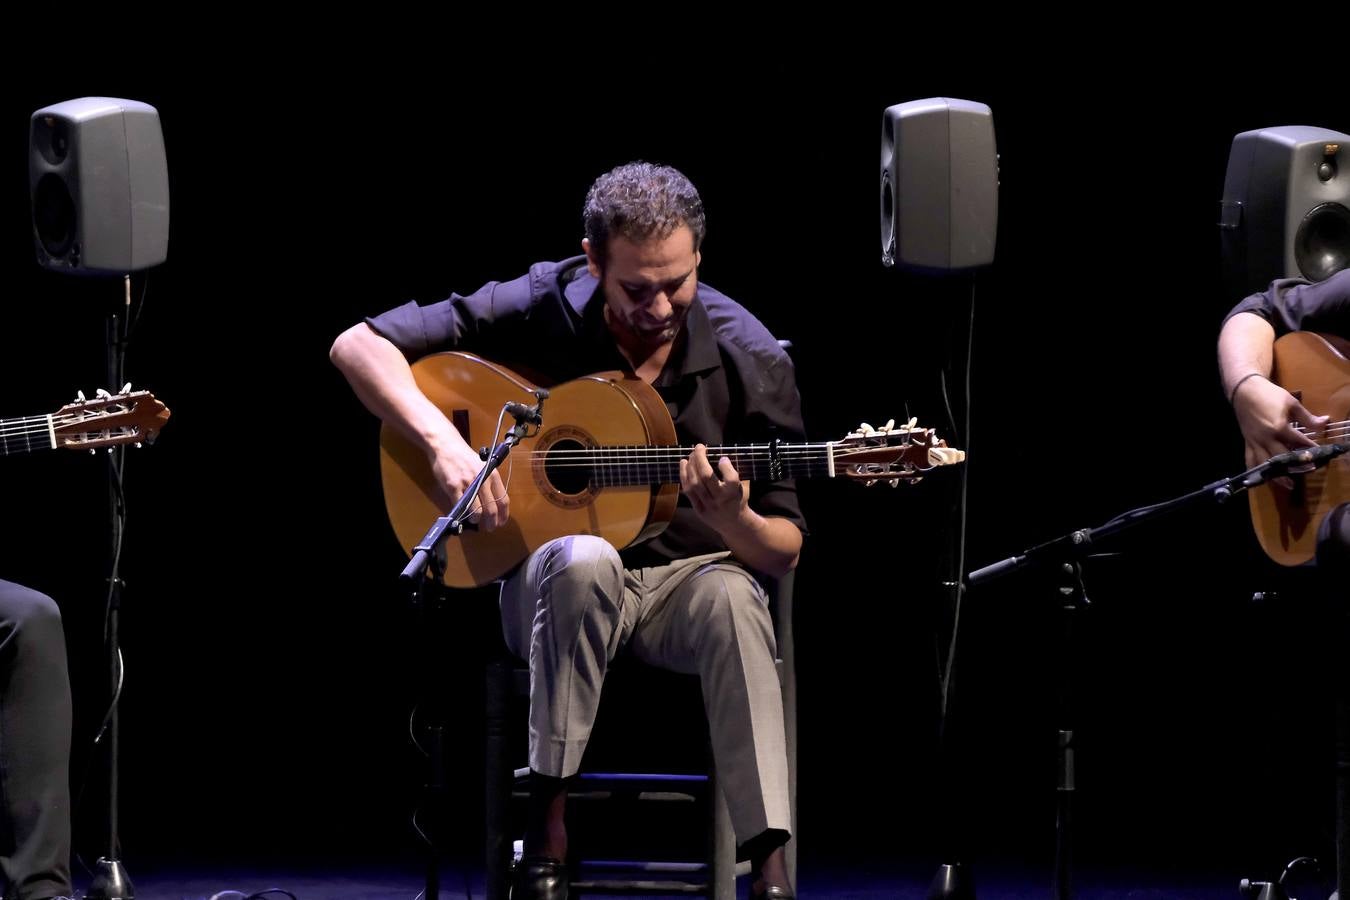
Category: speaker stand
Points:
column 111, row 881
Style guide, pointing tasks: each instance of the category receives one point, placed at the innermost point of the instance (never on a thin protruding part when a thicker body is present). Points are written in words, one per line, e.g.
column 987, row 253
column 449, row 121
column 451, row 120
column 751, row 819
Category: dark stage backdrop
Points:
column 268, row 657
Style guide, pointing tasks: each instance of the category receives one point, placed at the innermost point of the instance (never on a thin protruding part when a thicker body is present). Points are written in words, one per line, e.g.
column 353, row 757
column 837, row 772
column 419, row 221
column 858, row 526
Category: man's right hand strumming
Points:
column 1265, row 412
column 455, row 465
column 383, row 381
column 1268, row 415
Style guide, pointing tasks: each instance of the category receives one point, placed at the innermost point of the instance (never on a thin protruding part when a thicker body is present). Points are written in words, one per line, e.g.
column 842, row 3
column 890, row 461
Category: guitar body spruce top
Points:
column 548, row 499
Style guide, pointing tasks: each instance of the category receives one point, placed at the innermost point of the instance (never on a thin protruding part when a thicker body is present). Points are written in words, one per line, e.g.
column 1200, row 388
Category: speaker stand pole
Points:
column 111, row 881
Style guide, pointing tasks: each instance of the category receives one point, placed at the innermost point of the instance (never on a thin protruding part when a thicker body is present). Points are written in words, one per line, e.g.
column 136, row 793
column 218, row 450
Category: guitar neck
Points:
column 26, row 434
column 661, row 465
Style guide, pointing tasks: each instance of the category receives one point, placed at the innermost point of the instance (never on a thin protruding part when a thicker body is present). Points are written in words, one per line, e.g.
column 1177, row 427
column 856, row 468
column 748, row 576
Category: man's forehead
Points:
column 655, row 275
column 674, row 249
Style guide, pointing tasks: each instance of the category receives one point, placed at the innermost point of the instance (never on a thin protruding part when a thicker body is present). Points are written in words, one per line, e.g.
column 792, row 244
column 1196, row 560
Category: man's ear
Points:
column 592, row 264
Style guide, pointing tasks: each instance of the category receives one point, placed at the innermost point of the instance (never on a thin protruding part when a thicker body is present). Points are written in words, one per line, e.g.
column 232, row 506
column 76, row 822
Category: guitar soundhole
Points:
column 564, row 468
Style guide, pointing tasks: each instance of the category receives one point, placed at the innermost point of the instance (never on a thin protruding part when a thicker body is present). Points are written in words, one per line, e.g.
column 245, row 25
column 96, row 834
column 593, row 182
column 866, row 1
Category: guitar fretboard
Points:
column 26, row 434
column 661, row 465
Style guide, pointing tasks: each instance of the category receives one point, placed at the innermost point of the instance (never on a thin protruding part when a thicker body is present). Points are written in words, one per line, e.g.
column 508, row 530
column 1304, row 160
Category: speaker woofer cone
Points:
column 54, row 215
column 1322, row 245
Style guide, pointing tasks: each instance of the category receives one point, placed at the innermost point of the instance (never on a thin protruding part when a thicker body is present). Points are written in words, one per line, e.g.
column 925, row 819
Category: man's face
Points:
column 648, row 287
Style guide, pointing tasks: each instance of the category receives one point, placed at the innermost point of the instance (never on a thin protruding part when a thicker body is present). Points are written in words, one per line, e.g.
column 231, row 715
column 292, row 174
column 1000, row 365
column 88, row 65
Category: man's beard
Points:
column 657, row 332
column 649, row 331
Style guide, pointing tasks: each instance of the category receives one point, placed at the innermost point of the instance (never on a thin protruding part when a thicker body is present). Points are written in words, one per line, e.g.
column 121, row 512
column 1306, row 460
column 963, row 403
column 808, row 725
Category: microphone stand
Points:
column 427, row 568
column 1065, row 555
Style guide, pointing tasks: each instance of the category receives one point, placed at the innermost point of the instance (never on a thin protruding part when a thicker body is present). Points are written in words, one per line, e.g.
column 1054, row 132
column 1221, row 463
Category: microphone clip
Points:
column 1294, row 462
column 529, row 415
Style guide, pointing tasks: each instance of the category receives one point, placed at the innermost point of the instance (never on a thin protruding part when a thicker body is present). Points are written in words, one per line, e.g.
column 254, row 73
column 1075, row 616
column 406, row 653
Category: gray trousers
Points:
column 572, row 606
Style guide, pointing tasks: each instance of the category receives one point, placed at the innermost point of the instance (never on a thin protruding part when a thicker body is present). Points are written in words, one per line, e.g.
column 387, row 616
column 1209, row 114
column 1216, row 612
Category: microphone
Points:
column 994, row 570
column 523, row 413
column 1294, row 462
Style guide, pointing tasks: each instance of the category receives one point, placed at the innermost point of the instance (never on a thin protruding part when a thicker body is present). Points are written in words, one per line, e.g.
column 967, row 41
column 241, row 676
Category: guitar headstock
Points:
column 891, row 453
column 131, row 417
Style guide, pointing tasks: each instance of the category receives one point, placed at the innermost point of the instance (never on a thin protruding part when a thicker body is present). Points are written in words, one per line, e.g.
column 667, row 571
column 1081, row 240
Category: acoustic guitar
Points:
column 604, row 462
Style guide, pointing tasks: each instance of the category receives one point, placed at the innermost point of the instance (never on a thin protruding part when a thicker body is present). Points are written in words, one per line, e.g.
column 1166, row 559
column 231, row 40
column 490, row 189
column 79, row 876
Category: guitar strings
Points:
column 651, row 456
column 39, row 424
column 734, row 448
column 1330, row 431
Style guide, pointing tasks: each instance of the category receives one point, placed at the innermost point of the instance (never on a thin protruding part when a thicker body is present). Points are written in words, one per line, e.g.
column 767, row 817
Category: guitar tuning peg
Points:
column 102, row 394
column 126, row 388
column 869, row 482
column 895, row 482
column 912, row 424
column 92, row 451
column 79, row 396
column 886, row 429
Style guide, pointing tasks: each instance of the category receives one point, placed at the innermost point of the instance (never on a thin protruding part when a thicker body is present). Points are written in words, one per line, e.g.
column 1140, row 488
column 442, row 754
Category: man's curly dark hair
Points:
column 641, row 201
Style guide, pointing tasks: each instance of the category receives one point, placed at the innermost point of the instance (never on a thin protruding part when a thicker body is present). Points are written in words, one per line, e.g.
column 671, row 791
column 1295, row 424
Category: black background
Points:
column 268, row 656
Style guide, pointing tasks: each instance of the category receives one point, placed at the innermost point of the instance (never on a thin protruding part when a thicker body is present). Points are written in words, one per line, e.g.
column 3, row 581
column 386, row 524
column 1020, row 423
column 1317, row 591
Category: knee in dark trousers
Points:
column 1333, row 542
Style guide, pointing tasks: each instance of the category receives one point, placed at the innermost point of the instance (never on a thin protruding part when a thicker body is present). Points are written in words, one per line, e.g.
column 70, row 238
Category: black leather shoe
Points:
column 539, row 878
column 773, row 892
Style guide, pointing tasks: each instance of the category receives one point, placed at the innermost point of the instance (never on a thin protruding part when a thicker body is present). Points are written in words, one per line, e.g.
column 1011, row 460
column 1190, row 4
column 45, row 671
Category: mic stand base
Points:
column 111, row 881
column 1262, row 890
column 952, row 882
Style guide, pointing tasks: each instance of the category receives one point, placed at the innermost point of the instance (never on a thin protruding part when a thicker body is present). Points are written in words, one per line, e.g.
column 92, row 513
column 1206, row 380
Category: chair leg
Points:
column 497, row 780
column 722, row 872
column 790, row 723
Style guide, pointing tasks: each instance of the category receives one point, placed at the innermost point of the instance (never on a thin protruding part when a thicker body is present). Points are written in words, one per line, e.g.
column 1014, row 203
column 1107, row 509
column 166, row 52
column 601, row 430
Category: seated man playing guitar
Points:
column 1290, row 393
column 1267, row 413
column 683, row 599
